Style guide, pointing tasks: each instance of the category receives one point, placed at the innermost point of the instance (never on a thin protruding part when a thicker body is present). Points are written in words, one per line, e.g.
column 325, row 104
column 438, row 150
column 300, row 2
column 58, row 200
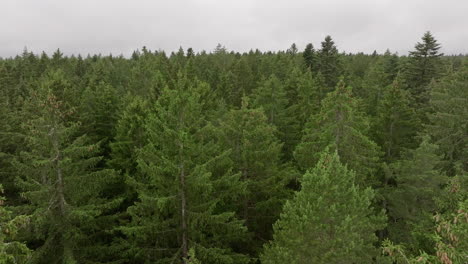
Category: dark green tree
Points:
column 423, row 65
column 63, row 190
column 329, row 63
column 309, row 57
column 396, row 124
column 11, row 251
column 271, row 97
column 181, row 190
column 412, row 202
column 341, row 126
column 449, row 120
column 330, row 220
column 256, row 155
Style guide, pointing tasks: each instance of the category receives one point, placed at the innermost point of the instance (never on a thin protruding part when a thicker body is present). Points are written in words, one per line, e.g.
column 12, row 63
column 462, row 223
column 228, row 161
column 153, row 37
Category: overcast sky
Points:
column 119, row 27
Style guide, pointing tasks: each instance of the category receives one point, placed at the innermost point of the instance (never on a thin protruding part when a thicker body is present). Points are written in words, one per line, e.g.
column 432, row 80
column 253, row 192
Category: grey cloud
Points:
column 119, row 27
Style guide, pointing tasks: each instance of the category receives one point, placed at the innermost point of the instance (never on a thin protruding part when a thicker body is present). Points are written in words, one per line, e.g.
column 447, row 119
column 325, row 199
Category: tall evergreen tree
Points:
column 413, row 201
column 396, row 123
column 329, row 64
column 271, row 97
column 129, row 136
column 424, row 65
column 449, row 120
column 330, row 220
column 307, row 92
column 181, row 190
column 341, row 126
column 256, row 155
column 309, row 56
column 63, row 191
column 98, row 114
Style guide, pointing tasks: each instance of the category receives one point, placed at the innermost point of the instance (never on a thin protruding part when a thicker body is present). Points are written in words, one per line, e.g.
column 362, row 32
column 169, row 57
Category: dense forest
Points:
column 313, row 156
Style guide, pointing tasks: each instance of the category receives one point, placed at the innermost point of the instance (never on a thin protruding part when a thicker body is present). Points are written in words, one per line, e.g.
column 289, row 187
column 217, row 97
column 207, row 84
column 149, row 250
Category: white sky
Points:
column 119, row 27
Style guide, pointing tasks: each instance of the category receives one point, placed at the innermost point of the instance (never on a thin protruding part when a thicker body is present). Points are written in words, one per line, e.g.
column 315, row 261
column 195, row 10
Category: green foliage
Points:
column 129, row 136
column 309, row 56
column 271, row 97
column 256, row 154
column 423, row 66
column 66, row 123
column 396, row 124
column 180, row 189
column 329, row 63
column 11, row 251
column 341, row 126
column 449, row 120
column 330, row 220
column 60, row 185
column 413, row 202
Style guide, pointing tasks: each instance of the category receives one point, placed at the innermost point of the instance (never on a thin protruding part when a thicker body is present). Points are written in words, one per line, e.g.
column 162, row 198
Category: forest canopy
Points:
column 312, row 156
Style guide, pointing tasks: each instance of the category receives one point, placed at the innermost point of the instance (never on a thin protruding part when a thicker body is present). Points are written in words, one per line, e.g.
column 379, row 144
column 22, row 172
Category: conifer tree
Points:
column 256, row 154
column 424, row 65
column 63, row 191
column 449, row 120
column 396, row 123
column 98, row 113
column 309, row 56
column 307, row 92
column 129, row 136
column 329, row 64
column 330, row 220
column 341, row 126
column 181, row 190
column 413, row 201
column 271, row 97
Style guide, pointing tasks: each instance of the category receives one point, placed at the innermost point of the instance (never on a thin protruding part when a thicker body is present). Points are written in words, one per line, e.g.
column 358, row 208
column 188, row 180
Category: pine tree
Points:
column 129, row 136
column 271, row 97
column 413, row 201
column 396, row 123
column 180, row 188
column 449, row 119
column 329, row 220
column 309, row 57
column 423, row 66
column 98, row 114
column 341, row 126
column 63, row 191
column 256, row 154
column 306, row 94
column 377, row 78
column 329, row 64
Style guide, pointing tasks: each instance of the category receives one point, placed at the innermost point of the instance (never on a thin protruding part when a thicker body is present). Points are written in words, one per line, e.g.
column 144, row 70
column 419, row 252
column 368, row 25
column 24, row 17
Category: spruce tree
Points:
column 330, row 220
column 64, row 192
column 309, row 57
column 329, row 63
column 307, row 92
column 341, row 126
column 256, row 155
column 396, row 124
column 423, row 65
column 129, row 136
column 181, row 189
column 413, row 201
column 449, row 120
column 98, row 114
column 271, row 97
